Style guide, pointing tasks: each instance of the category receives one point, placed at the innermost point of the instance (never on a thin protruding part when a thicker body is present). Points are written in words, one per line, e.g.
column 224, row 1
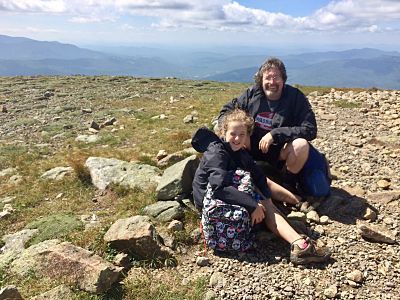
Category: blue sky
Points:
column 339, row 24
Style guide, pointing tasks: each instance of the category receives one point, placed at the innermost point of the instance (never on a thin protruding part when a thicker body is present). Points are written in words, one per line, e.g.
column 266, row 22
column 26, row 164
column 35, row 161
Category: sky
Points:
column 339, row 24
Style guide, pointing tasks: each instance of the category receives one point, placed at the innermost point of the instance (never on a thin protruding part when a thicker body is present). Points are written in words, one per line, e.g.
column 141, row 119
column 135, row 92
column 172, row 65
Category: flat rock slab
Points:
column 376, row 233
column 105, row 171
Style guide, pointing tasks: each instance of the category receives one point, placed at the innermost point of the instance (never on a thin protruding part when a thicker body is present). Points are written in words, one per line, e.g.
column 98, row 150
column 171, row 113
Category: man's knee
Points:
column 301, row 147
column 298, row 147
column 295, row 154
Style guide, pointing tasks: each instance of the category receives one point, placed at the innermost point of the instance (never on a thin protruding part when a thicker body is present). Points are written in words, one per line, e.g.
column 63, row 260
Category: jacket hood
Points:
column 202, row 138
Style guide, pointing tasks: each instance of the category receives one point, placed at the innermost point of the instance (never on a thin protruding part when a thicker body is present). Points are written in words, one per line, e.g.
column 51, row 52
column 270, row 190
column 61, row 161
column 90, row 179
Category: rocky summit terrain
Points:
column 359, row 131
column 360, row 135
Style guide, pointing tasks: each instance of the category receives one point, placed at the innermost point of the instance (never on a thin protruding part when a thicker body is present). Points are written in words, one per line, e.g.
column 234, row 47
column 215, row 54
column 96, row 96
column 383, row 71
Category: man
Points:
column 284, row 120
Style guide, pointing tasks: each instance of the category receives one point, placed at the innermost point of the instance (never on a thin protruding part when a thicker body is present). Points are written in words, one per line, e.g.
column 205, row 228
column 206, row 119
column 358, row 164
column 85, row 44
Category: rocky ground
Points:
column 362, row 143
column 360, row 135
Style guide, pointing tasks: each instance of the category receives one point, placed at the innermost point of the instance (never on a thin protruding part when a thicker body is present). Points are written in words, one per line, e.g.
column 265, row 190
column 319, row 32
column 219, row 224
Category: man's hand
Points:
column 265, row 142
column 258, row 214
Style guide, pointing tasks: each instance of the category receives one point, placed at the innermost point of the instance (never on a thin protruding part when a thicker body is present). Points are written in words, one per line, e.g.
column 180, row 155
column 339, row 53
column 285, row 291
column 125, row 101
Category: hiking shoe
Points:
column 311, row 254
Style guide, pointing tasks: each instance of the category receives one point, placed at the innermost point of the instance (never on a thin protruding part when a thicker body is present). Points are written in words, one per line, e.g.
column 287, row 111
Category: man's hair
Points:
column 270, row 63
column 236, row 115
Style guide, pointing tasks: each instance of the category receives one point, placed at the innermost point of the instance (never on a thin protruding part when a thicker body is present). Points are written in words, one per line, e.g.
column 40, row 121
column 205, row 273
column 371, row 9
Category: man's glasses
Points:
column 276, row 78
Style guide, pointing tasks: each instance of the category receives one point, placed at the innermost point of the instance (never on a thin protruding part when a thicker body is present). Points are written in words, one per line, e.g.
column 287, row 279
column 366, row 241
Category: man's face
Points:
column 272, row 83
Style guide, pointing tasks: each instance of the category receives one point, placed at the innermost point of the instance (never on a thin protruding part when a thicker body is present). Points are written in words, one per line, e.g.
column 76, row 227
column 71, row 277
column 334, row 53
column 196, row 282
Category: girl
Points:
column 223, row 189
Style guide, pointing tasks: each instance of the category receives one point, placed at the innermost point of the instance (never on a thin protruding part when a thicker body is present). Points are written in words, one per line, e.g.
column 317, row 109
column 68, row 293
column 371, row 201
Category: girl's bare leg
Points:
column 278, row 224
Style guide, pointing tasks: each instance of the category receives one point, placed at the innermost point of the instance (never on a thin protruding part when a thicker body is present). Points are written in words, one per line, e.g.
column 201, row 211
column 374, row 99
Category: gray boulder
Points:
column 164, row 211
column 14, row 245
column 63, row 260
column 138, row 236
column 105, row 171
column 57, row 173
column 10, row 292
column 8, row 171
column 87, row 138
column 177, row 179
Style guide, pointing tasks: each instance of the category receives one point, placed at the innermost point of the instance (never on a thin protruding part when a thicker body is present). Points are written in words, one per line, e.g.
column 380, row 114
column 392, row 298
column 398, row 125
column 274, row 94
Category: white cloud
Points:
column 52, row 6
column 91, row 19
column 41, row 30
column 222, row 15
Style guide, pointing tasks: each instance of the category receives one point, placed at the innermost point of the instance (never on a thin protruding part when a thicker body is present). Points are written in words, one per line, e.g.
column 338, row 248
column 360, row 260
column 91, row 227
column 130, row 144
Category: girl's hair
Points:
column 236, row 115
column 270, row 63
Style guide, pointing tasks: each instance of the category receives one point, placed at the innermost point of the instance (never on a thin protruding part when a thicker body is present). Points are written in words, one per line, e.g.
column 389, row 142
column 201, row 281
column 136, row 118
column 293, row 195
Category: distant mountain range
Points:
column 351, row 68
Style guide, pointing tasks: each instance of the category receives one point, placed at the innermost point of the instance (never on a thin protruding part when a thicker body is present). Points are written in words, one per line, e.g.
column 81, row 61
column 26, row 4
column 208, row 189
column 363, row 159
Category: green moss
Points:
column 346, row 104
column 54, row 226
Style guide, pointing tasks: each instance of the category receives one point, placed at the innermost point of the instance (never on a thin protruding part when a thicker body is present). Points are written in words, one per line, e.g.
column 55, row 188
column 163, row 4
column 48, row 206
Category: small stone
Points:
column 210, row 295
column 388, row 221
column 4, row 214
column 94, row 125
column 305, row 207
column 94, row 131
column 4, row 109
column 122, row 260
column 355, row 276
column 324, row 220
column 352, row 283
column 86, row 110
column 48, row 94
column 319, row 229
column 110, row 122
column 296, row 215
column 161, row 154
column 8, row 207
column 188, row 119
column 308, row 281
column 331, row 292
column 202, row 261
column 383, row 184
column 59, row 195
column 216, row 278
column 313, row 216
column 369, row 214
column 8, row 199
column 344, row 169
column 15, row 179
column 175, row 225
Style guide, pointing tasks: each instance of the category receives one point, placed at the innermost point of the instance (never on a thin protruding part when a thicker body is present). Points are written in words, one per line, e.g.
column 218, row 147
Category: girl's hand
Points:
column 258, row 214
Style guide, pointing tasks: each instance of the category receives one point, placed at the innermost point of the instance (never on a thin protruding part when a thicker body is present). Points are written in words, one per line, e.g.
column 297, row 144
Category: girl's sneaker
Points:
column 311, row 254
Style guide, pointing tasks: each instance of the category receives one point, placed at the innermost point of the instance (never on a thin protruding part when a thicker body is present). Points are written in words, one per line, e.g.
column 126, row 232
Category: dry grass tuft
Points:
column 77, row 162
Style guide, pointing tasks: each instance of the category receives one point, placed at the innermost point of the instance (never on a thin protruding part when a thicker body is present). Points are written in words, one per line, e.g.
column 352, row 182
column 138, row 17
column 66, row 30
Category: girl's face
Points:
column 236, row 135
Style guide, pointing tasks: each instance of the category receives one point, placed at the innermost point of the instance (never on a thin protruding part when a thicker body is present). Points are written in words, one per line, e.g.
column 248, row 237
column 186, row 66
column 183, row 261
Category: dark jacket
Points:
column 292, row 115
column 217, row 166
